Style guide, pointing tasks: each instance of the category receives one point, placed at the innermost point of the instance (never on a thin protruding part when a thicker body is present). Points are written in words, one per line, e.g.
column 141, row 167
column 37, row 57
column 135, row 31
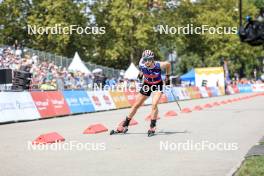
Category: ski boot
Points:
column 121, row 129
column 151, row 131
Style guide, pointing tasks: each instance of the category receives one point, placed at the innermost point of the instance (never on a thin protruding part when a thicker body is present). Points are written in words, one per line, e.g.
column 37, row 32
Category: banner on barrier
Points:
column 163, row 99
column 258, row 87
column 119, row 99
column 244, row 88
column 194, row 92
column 78, row 101
column 131, row 96
column 214, row 91
column 197, row 92
column 209, row 92
column 59, row 103
column 43, row 104
column 16, row 106
column 50, row 104
column 203, row 92
column 168, row 93
column 101, row 100
column 181, row 93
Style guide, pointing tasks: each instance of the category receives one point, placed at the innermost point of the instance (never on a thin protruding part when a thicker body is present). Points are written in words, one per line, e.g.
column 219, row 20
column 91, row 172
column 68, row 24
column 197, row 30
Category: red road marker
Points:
column 207, row 105
column 96, row 128
column 229, row 101
column 216, row 104
column 170, row 114
column 223, row 102
column 186, row 110
column 48, row 138
column 197, row 108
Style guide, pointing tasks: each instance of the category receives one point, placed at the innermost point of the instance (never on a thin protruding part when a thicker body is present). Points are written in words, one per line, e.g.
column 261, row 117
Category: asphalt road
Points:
column 208, row 142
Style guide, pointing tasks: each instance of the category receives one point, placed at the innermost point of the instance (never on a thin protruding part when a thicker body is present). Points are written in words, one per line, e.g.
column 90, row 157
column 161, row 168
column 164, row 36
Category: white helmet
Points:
column 148, row 54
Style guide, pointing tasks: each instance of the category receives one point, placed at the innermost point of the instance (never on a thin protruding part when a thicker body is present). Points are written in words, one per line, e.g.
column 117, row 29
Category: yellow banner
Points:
column 209, row 70
column 119, row 99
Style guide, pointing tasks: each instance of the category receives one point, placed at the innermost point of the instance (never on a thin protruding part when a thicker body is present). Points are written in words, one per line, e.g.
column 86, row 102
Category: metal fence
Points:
column 65, row 62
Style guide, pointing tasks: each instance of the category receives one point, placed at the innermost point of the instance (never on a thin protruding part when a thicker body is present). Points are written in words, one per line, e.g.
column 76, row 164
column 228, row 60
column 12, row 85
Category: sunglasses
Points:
column 145, row 59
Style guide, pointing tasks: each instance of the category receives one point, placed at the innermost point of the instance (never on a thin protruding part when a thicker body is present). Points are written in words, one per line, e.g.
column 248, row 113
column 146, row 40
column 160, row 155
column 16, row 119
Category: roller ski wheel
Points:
column 151, row 132
column 119, row 130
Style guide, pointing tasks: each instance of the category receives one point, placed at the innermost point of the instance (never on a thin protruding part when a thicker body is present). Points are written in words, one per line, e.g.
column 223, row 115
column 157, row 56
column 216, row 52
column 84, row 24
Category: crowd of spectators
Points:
column 49, row 76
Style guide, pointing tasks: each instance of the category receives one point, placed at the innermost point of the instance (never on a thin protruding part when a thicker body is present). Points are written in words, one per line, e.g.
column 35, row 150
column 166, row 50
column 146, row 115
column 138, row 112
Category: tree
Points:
column 64, row 13
column 211, row 48
column 13, row 21
column 129, row 25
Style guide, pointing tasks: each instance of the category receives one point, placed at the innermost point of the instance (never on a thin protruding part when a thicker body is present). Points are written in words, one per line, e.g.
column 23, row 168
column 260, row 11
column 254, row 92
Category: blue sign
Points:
column 78, row 101
column 245, row 88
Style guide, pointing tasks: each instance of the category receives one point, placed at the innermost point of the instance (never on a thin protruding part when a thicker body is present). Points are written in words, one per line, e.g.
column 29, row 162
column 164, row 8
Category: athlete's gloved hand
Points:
column 140, row 77
column 167, row 80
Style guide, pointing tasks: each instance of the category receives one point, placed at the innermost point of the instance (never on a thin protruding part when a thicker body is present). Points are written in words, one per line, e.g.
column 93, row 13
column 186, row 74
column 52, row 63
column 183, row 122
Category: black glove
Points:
column 167, row 80
column 140, row 77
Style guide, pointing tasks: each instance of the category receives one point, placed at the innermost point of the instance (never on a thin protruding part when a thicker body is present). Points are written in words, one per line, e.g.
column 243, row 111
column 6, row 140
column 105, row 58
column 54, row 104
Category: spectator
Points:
column 47, row 75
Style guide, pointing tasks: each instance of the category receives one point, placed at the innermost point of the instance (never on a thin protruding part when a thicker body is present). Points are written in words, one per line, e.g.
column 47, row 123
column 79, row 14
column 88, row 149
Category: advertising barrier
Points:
column 204, row 92
column 168, row 92
column 43, row 104
column 101, row 100
column 244, row 88
column 119, row 99
column 194, row 92
column 78, row 101
column 50, row 104
column 214, row 91
column 181, row 93
column 163, row 99
column 58, row 102
column 209, row 92
column 131, row 97
column 258, row 88
column 17, row 106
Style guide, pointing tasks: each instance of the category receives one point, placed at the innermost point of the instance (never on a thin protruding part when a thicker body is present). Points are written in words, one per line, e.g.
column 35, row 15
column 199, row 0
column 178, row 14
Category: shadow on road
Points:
column 161, row 132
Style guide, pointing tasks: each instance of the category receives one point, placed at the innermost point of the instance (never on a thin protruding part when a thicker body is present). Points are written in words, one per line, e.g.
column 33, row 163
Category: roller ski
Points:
column 121, row 129
column 151, row 131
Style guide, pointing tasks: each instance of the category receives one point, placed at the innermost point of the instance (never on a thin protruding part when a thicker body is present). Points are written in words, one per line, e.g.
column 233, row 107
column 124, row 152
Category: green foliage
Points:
column 253, row 166
column 259, row 3
column 130, row 28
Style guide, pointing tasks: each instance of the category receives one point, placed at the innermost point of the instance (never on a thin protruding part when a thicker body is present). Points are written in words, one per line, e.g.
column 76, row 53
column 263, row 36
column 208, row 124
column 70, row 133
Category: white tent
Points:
column 131, row 72
column 78, row 65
